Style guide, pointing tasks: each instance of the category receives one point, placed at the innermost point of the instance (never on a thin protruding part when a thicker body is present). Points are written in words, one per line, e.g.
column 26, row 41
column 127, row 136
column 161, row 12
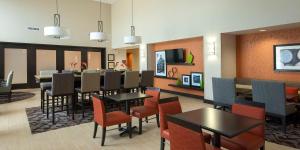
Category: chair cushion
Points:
column 244, row 141
column 117, row 117
column 46, row 85
column 143, row 111
column 166, row 134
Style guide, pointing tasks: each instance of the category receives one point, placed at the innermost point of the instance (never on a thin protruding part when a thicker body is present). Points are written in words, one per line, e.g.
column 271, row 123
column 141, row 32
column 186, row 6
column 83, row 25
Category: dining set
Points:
column 69, row 91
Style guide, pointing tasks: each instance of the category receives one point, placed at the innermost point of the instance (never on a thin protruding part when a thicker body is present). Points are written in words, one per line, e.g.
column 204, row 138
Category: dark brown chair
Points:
column 147, row 79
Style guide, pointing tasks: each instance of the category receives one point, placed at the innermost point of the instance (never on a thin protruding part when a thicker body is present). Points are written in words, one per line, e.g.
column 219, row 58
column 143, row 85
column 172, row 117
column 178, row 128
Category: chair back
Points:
column 154, row 100
column 9, row 79
column 62, row 84
column 272, row 94
column 112, row 80
column 168, row 106
column 147, row 78
column 224, row 91
column 90, row 81
column 47, row 73
column 132, row 79
column 253, row 110
column 99, row 111
column 182, row 138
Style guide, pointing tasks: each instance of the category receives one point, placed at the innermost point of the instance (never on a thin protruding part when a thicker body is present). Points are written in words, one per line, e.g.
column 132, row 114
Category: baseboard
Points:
column 208, row 101
column 183, row 94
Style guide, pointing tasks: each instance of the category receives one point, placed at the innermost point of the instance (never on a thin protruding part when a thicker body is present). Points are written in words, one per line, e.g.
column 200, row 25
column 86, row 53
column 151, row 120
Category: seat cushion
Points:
column 46, row 85
column 244, row 141
column 143, row 111
column 166, row 134
column 117, row 117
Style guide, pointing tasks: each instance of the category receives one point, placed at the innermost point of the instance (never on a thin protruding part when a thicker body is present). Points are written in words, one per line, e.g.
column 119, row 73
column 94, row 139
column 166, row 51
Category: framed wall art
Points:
column 186, row 80
column 160, row 64
column 111, row 57
column 287, row 57
column 197, row 79
column 111, row 65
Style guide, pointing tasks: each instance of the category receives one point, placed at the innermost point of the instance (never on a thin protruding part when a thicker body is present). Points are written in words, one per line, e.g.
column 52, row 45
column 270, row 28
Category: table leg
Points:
column 216, row 141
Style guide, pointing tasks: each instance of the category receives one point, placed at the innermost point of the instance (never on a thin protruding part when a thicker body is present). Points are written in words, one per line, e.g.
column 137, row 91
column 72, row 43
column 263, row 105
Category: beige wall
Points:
column 228, row 59
column 45, row 60
column 72, row 57
column 16, row 60
column 80, row 16
column 94, row 60
column 136, row 59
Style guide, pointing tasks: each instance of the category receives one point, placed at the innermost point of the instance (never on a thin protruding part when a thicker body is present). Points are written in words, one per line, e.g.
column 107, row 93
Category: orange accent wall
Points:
column 194, row 45
column 255, row 54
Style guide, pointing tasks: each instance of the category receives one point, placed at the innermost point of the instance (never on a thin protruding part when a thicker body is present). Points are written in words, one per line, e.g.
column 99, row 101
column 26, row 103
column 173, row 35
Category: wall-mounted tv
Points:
column 175, row 55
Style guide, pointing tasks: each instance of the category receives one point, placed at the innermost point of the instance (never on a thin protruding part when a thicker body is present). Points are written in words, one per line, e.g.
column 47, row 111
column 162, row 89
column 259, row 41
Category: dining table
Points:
column 221, row 123
column 127, row 98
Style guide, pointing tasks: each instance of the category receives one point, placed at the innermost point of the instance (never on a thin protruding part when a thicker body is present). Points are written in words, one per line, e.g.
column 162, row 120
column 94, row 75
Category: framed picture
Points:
column 160, row 64
column 287, row 57
column 111, row 57
column 186, row 80
column 197, row 79
column 111, row 65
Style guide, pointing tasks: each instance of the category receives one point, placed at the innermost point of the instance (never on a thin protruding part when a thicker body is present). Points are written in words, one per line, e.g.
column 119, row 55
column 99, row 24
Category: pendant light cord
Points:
column 57, row 7
column 100, row 12
column 131, row 12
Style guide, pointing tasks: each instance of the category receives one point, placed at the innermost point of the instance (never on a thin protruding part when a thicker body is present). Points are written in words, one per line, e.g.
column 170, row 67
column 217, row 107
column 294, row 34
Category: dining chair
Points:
column 150, row 107
column 131, row 81
column 147, row 79
column 5, row 88
column 112, row 82
column 45, row 85
column 224, row 92
column 252, row 139
column 90, row 83
column 272, row 94
column 108, row 119
column 170, row 106
column 293, row 91
column 182, row 138
column 62, row 85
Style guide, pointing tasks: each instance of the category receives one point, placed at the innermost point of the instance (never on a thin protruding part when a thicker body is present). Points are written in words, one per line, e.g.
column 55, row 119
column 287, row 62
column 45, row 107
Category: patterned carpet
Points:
column 16, row 96
column 39, row 123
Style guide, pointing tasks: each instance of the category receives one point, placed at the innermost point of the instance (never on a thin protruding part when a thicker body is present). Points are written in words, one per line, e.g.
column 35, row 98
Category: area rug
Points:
column 274, row 134
column 16, row 96
column 39, row 123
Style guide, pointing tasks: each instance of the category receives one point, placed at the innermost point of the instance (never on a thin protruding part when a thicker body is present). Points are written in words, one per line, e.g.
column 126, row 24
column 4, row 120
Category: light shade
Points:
column 98, row 36
column 132, row 39
column 56, row 32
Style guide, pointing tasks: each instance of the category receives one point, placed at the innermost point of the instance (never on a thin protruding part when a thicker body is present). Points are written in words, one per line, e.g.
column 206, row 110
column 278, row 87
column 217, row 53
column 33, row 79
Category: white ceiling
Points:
column 107, row 1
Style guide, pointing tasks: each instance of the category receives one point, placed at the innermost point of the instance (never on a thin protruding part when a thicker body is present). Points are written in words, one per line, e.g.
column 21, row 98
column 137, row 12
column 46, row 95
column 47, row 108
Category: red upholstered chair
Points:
column 253, row 139
column 150, row 107
column 182, row 138
column 292, row 91
column 170, row 106
column 108, row 119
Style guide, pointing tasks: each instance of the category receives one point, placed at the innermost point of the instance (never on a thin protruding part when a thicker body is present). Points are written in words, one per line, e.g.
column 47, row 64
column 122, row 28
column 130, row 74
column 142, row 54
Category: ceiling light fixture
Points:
column 100, row 35
column 262, row 30
column 132, row 39
column 56, row 31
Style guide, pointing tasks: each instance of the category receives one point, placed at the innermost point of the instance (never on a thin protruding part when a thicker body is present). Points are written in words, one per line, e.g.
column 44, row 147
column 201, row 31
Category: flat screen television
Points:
column 175, row 55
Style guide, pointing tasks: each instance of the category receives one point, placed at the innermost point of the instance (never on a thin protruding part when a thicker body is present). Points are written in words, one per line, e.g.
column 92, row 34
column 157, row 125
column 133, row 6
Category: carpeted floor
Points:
column 16, row 96
column 39, row 123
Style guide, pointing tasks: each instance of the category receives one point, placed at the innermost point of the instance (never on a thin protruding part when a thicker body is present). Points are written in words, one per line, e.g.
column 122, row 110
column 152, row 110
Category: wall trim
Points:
column 183, row 94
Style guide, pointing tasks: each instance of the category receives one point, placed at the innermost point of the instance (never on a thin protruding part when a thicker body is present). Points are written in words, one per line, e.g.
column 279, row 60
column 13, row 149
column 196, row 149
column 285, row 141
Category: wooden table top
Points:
column 127, row 96
column 217, row 121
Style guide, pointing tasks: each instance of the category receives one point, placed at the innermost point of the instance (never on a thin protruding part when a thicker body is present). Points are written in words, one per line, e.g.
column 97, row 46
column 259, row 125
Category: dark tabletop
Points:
column 217, row 121
column 127, row 96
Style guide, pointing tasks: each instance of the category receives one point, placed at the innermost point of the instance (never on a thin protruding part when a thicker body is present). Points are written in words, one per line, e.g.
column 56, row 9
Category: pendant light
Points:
column 132, row 39
column 56, row 31
column 100, row 35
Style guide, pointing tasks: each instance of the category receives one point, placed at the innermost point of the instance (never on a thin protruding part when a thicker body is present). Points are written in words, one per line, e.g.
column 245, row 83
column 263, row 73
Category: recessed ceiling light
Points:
column 262, row 30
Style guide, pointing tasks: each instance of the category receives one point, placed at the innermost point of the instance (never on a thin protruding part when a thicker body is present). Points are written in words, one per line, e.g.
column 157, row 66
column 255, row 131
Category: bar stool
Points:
column 131, row 81
column 90, row 83
column 45, row 85
column 112, row 82
column 147, row 79
column 62, row 85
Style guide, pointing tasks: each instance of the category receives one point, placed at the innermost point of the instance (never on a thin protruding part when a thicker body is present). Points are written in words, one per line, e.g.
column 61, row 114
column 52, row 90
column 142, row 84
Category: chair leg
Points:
column 129, row 129
column 263, row 147
column 95, row 130
column 283, row 122
column 119, row 127
column 9, row 96
column 67, row 104
column 42, row 99
column 162, row 143
column 103, row 135
column 47, row 106
column 146, row 119
column 82, row 103
column 53, row 110
column 140, row 126
column 73, row 98
column 157, row 120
